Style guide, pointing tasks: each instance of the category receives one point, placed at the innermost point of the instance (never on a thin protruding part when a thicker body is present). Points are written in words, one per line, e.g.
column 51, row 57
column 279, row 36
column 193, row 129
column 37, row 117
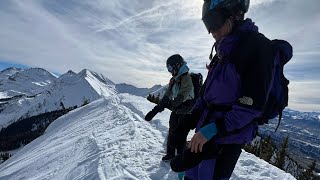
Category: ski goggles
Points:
column 170, row 68
column 214, row 20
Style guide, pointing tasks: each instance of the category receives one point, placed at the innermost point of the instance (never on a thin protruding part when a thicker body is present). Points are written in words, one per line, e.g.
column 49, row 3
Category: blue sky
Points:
column 4, row 65
column 130, row 40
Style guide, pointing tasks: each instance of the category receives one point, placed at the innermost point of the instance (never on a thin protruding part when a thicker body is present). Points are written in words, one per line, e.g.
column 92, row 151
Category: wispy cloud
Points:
column 130, row 40
column 304, row 95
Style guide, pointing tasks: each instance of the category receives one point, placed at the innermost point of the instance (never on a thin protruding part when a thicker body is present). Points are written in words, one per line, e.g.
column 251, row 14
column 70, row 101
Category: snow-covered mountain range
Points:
column 144, row 92
column 29, row 92
column 106, row 139
column 303, row 130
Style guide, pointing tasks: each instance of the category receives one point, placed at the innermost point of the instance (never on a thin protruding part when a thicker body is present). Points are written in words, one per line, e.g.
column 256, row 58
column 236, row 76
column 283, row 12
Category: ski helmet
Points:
column 173, row 61
column 216, row 12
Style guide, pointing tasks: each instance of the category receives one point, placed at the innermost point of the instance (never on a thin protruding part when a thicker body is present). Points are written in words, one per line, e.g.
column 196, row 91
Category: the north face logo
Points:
column 246, row 100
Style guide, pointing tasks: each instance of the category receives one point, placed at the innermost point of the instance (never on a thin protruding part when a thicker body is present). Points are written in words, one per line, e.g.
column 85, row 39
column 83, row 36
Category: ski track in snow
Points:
column 109, row 139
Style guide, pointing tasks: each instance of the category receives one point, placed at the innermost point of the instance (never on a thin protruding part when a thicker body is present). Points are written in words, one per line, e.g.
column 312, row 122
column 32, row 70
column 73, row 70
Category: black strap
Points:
column 280, row 116
column 218, row 107
column 215, row 107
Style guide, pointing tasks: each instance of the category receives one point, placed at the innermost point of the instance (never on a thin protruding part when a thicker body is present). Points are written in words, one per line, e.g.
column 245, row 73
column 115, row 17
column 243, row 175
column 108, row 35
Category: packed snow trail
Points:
column 103, row 140
column 109, row 139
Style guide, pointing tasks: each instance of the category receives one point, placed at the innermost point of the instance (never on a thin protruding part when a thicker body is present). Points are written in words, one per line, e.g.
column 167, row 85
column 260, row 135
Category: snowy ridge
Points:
column 144, row 92
column 161, row 91
column 104, row 87
column 108, row 139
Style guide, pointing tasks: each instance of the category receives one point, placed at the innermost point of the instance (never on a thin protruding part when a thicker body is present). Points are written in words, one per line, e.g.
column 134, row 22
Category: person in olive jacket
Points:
column 179, row 98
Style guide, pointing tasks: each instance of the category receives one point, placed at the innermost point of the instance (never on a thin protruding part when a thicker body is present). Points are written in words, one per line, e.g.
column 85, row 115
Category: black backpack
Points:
column 277, row 98
column 278, row 95
column 197, row 81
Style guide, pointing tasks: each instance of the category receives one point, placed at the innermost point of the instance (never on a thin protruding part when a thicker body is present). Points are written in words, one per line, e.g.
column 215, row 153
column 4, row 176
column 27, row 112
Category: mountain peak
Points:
column 84, row 72
column 33, row 75
column 9, row 72
column 10, row 69
column 71, row 72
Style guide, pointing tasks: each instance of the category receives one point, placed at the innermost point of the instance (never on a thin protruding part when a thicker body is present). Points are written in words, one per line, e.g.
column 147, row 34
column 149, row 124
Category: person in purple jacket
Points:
column 233, row 96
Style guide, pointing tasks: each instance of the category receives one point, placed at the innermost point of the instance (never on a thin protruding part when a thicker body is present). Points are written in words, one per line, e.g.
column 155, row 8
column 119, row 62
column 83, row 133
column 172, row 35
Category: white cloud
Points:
column 254, row 3
column 130, row 40
column 304, row 95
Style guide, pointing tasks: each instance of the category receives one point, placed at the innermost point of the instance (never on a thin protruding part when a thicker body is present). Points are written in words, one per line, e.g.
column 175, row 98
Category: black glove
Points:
column 193, row 118
column 165, row 101
column 153, row 112
column 150, row 115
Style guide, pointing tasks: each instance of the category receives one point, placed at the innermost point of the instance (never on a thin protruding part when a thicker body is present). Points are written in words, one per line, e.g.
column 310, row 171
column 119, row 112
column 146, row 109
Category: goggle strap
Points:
column 211, row 55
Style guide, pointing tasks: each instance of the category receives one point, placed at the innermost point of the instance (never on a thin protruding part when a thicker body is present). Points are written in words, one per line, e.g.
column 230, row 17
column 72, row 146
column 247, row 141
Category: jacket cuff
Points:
column 209, row 131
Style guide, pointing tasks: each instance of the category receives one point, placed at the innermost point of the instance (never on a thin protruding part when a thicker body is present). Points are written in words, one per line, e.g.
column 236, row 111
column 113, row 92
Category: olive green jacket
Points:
column 181, row 94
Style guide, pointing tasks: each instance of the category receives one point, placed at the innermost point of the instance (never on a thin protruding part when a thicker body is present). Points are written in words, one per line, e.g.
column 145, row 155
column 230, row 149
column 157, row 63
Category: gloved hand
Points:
column 150, row 115
column 153, row 112
column 164, row 102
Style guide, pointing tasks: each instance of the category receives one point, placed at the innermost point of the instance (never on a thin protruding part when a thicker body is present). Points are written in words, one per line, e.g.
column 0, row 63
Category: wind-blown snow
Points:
column 109, row 139
column 251, row 167
column 3, row 95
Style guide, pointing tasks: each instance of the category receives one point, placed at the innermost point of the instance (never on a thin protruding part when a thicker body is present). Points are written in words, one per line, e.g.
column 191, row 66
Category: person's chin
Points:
column 216, row 38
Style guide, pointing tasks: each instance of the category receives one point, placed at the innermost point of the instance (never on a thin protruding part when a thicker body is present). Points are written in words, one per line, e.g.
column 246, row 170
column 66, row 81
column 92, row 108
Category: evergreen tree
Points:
column 85, row 102
column 253, row 148
column 22, row 132
column 281, row 154
column 62, row 105
column 266, row 149
column 308, row 174
column 5, row 156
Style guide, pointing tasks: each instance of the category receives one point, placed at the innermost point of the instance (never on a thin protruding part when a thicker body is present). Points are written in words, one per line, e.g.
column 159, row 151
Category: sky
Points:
column 129, row 40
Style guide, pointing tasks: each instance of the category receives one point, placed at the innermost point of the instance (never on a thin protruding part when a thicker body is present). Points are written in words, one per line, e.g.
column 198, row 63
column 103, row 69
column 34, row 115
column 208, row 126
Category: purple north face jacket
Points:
column 239, row 76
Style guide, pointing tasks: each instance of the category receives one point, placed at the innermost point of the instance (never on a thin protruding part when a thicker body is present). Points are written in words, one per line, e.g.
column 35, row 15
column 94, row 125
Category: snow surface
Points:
column 109, row 139
column 3, row 95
